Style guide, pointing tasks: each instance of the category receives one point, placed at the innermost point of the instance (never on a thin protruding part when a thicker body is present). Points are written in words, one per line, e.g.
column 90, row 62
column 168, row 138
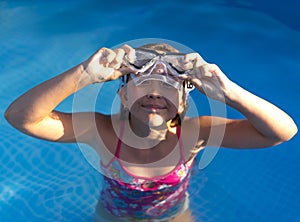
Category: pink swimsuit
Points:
column 127, row 195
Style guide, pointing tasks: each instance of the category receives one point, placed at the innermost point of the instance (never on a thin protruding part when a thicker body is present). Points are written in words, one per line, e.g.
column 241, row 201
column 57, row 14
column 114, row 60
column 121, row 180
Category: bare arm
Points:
column 265, row 124
column 33, row 113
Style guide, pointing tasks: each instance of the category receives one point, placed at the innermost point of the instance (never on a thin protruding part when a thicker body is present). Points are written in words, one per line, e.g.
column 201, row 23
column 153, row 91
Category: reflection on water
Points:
column 39, row 39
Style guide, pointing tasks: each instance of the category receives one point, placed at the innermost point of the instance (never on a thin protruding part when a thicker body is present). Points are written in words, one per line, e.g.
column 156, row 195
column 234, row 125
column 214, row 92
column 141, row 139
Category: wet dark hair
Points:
column 163, row 47
column 158, row 47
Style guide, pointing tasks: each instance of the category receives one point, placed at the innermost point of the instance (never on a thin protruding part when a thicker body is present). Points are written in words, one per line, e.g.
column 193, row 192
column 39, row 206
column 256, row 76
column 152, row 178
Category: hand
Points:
column 207, row 78
column 106, row 64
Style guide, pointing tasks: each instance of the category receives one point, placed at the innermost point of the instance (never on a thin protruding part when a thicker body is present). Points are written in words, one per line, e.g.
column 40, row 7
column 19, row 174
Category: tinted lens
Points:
column 145, row 59
column 142, row 57
column 177, row 62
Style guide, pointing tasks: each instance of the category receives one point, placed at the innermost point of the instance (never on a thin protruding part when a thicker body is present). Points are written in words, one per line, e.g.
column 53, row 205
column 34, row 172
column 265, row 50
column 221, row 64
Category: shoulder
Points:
column 194, row 134
column 107, row 130
column 198, row 132
column 198, row 127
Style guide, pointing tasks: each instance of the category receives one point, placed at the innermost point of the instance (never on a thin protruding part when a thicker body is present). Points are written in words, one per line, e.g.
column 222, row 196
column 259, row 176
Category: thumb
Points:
column 116, row 74
column 198, row 84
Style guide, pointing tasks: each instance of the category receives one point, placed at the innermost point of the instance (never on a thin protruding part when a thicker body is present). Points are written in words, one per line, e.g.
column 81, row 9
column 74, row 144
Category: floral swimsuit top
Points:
column 130, row 196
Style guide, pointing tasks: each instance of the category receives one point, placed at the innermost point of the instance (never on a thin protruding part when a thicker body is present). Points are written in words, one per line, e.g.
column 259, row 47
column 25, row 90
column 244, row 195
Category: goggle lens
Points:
column 146, row 61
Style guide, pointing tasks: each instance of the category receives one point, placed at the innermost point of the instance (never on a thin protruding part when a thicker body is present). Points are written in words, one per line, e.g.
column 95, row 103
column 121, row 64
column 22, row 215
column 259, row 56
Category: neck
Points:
column 139, row 135
column 146, row 131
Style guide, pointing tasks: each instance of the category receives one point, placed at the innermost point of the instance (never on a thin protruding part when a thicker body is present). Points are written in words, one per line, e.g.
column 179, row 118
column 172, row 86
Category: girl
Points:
column 147, row 150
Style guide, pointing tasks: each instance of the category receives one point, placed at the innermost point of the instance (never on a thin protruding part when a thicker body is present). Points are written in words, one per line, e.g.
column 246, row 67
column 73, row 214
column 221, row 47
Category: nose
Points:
column 154, row 96
column 158, row 68
column 154, row 90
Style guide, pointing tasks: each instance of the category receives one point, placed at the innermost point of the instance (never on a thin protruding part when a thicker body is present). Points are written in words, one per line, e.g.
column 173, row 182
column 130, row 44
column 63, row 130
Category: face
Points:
column 152, row 97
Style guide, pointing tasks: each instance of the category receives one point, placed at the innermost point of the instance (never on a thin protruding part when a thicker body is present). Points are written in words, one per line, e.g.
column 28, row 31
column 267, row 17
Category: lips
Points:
column 153, row 107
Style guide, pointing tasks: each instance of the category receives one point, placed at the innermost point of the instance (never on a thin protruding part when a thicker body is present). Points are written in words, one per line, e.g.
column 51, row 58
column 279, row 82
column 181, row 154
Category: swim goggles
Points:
column 146, row 61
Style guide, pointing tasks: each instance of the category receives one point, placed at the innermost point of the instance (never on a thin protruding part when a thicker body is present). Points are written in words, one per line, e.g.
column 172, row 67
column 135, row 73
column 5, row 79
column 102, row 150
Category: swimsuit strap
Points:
column 118, row 149
column 178, row 133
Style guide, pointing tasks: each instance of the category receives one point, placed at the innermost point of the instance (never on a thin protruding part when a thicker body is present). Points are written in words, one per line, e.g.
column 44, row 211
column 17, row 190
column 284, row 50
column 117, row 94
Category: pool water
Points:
column 256, row 44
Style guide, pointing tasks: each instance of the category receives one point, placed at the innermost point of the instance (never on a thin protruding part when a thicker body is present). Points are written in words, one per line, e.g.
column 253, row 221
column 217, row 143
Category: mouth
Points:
column 153, row 107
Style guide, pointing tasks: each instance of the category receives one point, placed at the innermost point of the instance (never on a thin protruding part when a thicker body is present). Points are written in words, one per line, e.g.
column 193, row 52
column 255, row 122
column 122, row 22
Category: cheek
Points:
column 175, row 98
column 133, row 96
column 176, row 104
column 180, row 103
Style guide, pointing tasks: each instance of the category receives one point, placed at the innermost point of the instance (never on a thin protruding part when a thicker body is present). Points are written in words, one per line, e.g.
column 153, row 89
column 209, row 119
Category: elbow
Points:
column 14, row 118
column 285, row 135
column 291, row 132
column 288, row 133
column 10, row 116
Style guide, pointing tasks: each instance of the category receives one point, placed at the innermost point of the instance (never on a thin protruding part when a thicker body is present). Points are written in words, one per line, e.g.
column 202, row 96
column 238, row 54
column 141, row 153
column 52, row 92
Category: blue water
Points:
column 256, row 44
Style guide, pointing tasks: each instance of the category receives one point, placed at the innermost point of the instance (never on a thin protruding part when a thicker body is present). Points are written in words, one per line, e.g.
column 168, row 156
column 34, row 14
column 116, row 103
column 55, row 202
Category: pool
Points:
column 258, row 46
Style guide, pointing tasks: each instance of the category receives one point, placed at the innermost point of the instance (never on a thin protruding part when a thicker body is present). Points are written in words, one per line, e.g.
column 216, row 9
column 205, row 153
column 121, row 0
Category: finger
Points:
column 117, row 62
column 218, row 74
column 200, row 61
column 190, row 57
column 117, row 74
column 198, row 84
column 95, row 58
column 213, row 68
column 107, row 56
column 195, row 58
column 189, row 60
column 125, row 70
column 98, row 54
column 206, row 70
column 185, row 76
column 130, row 52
